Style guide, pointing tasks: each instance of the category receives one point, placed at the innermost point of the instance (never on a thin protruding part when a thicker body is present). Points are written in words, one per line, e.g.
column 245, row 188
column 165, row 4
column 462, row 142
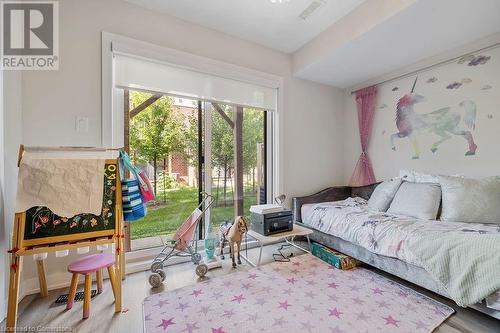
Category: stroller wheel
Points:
column 156, row 266
column 162, row 273
column 196, row 258
column 155, row 280
column 201, row 270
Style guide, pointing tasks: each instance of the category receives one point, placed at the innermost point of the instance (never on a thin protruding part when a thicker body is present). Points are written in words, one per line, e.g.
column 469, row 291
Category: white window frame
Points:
column 112, row 122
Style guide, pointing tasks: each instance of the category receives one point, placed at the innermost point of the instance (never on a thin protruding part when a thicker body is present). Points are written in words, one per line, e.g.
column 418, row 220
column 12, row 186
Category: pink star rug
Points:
column 303, row 295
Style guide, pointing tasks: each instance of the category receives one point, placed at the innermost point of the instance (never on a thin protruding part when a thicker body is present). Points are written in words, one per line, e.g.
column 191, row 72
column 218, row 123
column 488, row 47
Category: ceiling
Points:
column 275, row 25
column 374, row 37
column 426, row 28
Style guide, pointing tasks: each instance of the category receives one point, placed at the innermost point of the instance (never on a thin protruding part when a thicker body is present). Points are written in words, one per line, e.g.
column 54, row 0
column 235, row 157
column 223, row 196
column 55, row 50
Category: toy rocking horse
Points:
column 233, row 234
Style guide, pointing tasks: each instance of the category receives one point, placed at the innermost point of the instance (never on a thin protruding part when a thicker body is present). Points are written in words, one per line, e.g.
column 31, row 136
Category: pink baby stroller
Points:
column 181, row 245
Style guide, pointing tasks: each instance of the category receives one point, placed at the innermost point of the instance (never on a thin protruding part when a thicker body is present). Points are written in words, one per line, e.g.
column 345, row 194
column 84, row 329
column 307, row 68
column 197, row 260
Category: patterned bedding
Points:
column 382, row 233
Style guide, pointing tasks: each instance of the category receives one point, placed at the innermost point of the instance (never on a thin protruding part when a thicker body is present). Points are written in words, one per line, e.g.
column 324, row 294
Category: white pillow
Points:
column 418, row 177
column 383, row 194
column 470, row 200
column 419, row 200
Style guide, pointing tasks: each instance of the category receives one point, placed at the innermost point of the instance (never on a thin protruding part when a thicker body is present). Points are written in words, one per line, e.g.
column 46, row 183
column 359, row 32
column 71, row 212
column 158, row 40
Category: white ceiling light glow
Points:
column 279, row 1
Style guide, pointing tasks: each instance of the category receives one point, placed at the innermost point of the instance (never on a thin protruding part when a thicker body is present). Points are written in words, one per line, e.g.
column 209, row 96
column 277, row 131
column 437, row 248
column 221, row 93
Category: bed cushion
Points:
column 382, row 196
column 470, row 200
column 419, row 200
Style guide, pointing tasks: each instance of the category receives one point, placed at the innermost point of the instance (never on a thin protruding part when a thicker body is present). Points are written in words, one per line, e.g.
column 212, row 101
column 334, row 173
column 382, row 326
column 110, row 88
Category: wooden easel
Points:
column 22, row 247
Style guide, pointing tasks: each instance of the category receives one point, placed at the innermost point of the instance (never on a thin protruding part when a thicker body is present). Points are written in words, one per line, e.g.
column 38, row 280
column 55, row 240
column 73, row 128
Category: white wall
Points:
column 450, row 157
column 11, row 138
column 52, row 100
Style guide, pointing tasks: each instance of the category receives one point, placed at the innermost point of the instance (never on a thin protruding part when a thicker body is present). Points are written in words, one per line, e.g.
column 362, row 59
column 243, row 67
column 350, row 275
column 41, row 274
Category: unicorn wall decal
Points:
column 443, row 122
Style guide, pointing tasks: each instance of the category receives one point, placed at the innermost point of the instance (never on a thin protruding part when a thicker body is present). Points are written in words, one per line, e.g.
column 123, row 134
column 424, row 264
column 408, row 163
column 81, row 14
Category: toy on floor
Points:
column 233, row 234
column 181, row 245
column 211, row 240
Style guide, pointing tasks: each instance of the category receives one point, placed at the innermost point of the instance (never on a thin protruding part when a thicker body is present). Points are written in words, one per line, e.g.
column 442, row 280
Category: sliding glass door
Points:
column 187, row 146
column 235, row 141
column 191, row 131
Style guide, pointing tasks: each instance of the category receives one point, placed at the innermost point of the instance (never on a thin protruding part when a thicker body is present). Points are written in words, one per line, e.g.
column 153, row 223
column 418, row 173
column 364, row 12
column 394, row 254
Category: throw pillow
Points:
column 383, row 194
column 419, row 200
column 470, row 200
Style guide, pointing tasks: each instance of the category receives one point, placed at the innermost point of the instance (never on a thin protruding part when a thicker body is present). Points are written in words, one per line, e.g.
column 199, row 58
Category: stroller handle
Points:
column 207, row 201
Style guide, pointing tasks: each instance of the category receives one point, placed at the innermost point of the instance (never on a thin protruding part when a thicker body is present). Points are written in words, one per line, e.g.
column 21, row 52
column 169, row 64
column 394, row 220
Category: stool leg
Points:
column 98, row 275
column 112, row 279
column 86, row 300
column 72, row 291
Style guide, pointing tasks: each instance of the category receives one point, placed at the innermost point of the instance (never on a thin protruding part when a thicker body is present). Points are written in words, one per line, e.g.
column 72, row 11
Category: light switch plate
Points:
column 82, row 124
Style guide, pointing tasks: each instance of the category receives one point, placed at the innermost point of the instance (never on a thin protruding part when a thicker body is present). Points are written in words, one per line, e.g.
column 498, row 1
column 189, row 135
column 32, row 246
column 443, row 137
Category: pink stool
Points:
column 86, row 266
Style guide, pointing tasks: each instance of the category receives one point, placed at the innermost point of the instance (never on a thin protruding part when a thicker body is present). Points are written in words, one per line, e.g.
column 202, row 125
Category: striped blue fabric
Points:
column 132, row 202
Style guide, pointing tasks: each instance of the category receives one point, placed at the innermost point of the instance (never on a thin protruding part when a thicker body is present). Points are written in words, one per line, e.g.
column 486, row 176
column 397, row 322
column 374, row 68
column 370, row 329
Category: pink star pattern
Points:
column 161, row 303
column 190, row 328
column 166, row 323
column 391, row 321
column 309, row 308
column 382, row 304
column 183, row 306
column 197, row 293
column 239, row 298
column 246, row 286
column 284, row 305
column 362, row 302
column 204, row 310
column 333, row 285
column 335, row 313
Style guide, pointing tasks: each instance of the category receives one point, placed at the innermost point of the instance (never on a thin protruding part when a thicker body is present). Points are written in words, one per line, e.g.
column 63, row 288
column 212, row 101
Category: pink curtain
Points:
column 365, row 102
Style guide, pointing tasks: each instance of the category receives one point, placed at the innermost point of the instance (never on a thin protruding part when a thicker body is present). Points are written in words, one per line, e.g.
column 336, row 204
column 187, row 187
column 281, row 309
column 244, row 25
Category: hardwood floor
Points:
column 36, row 311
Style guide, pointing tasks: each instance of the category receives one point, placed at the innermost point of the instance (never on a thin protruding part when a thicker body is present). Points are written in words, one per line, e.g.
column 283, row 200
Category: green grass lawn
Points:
column 179, row 204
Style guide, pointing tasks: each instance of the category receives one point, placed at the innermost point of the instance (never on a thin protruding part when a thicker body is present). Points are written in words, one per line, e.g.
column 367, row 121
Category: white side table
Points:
column 287, row 236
